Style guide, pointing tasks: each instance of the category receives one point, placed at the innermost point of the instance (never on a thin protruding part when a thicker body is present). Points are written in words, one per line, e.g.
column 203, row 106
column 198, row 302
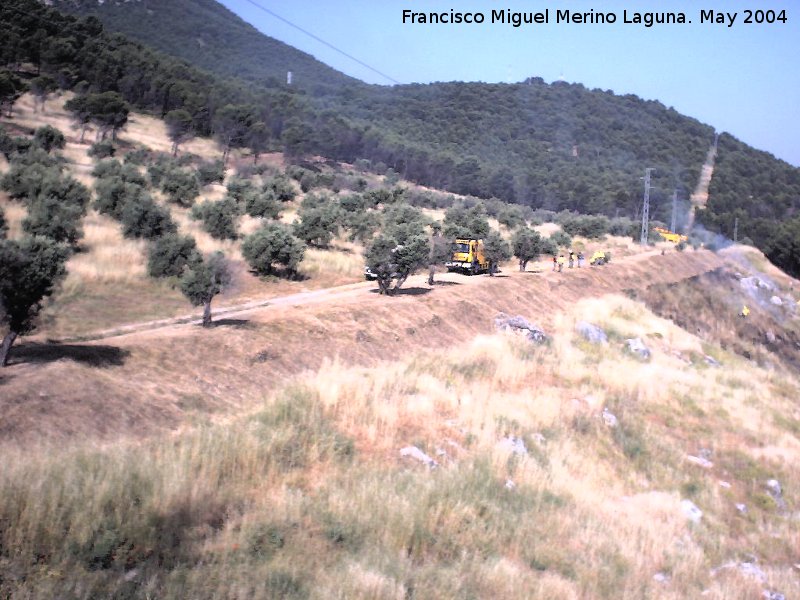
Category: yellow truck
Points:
column 675, row 238
column 468, row 256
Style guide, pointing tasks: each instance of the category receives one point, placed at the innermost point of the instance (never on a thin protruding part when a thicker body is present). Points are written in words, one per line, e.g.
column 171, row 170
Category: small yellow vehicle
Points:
column 675, row 238
column 467, row 256
column 600, row 258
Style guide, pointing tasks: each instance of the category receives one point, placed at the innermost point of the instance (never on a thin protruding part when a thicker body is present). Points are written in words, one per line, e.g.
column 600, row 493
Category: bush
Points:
column 25, row 182
column 51, row 218
column 318, row 225
column 102, row 149
column 239, row 188
column 138, row 157
column 281, row 187
column 219, row 218
column 561, row 239
column 113, row 168
column 143, row 218
column 624, row 227
column 170, row 254
column 272, row 245
column 263, row 205
column 113, row 193
column 589, row 226
column 181, row 186
column 48, row 138
column 211, row 172
column 3, row 224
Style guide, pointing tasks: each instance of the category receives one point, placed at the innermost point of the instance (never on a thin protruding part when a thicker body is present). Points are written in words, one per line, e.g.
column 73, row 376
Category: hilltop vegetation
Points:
column 190, row 30
column 558, row 146
column 763, row 195
column 555, row 146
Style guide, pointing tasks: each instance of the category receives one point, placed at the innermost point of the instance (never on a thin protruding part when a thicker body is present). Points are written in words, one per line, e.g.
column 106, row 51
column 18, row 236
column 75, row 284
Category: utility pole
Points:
column 646, row 206
column 674, row 224
column 736, row 230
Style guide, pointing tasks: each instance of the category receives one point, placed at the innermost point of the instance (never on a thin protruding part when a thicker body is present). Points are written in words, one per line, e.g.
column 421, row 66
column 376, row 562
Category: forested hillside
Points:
column 762, row 193
column 211, row 37
column 557, row 146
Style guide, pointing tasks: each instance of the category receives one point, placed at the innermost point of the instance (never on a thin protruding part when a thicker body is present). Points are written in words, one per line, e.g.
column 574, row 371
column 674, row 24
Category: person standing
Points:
column 580, row 259
column 571, row 258
column 560, row 263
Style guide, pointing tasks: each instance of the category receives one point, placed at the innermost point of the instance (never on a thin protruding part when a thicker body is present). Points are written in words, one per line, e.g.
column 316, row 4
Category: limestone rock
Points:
column 591, row 333
column 520, row 325
column 636, row 347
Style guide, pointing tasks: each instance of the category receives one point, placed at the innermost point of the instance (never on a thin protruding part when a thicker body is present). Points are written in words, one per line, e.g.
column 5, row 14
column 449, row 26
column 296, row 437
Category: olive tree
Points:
column 30, row 270
column 527, row 245
column 496, row 250
column 204, row 280
column 171, row 254
column 273, row 244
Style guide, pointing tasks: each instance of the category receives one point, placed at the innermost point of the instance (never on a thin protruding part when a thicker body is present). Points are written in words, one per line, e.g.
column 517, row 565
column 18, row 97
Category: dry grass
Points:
column 307, row 497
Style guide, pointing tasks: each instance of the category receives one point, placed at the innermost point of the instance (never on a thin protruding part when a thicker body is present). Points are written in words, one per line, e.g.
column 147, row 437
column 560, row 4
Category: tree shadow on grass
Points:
column 94, row 356
column 235, row 323
column 412, row 291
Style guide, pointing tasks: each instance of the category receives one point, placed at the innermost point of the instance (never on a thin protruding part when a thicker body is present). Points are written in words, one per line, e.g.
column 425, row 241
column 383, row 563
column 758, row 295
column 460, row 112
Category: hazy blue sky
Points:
column 743, row 79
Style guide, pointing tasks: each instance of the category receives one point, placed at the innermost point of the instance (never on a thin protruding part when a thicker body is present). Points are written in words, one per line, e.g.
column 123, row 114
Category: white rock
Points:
column 725, row 485
column 700, row 461
column 510, row 485
column 741, row 508
column 776, row 300
column 417, row 454
column 661, row 578
column 691, row 511
column 514, row 445
column 609, row 418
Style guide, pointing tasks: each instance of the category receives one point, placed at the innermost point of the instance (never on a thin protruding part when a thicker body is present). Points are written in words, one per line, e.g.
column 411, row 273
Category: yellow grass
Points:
column 14, row 213
column 594, row 511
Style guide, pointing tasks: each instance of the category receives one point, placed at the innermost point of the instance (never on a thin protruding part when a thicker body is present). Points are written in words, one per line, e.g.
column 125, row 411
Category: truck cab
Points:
column 468, row 256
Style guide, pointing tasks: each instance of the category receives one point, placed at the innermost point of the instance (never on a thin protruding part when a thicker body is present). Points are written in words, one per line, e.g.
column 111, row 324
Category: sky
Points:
column 743, row 79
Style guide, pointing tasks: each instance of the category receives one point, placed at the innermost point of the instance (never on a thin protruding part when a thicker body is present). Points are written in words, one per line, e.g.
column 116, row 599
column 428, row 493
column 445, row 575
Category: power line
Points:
column 321, row 41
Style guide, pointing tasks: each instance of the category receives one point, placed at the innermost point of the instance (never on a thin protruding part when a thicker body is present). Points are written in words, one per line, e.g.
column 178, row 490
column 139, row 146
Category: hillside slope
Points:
column 192, row 30
column 557, row 146
column 568, row 470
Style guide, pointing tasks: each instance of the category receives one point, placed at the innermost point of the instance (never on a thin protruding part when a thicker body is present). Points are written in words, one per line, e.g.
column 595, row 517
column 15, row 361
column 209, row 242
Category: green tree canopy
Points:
column 30, row 269
column 204, row 280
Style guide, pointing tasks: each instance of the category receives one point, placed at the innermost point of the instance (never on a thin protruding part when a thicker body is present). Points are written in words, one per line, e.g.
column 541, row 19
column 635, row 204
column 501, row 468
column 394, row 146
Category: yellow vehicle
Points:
column 675, row 238
column 600, row 258
column 467, row 256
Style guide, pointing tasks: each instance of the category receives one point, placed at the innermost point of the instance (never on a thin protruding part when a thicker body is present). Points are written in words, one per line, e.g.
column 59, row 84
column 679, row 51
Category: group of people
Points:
column 558, row 261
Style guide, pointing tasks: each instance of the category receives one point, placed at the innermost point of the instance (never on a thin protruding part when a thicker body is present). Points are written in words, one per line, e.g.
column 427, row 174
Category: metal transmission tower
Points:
column 646, row 206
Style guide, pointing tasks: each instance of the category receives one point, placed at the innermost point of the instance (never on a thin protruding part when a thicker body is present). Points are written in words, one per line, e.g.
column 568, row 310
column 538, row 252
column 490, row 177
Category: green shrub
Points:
column 318, row 225
column 102, row 149
column 589, row 226
column 272, row 245
column 239, row 188
column 48, row 138
column 181, row 186
column 169, row 255
column 211, row 172
column 54, row 219
column 561, row 239
column 281, row 187
column 263, row 205
column 113, row 193
column 143, row 218
column 219, row 218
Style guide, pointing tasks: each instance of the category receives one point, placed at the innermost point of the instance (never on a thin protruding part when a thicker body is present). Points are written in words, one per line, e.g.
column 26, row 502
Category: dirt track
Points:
column 147, row 381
